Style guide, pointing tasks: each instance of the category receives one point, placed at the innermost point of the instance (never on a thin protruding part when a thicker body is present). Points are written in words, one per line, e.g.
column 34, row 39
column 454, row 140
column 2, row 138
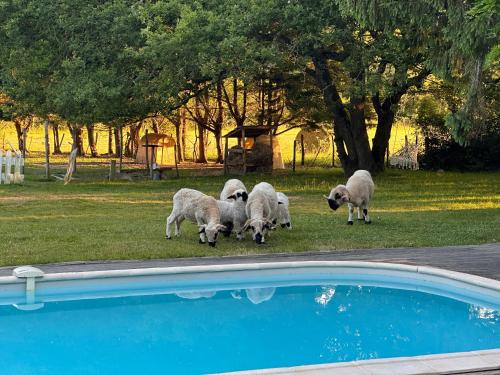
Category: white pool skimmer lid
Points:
column 30, row 274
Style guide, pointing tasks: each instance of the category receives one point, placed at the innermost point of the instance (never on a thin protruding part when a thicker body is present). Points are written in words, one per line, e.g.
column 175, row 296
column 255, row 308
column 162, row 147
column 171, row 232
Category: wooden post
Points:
column 75, row 145
column 147, row 152
column 302, row 162
column 333, row 151
column 226, row 153
column 121, row 150
column 112, row 170
column 24, row 150
column 244, row 150
column 272, row 150
column 47, row 149
column 387, row 156
column 294, row 152
column 175, row 158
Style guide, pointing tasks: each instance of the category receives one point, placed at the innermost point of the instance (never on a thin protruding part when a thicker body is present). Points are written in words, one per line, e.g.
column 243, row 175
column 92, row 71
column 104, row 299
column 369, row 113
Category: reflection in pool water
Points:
column 216, row 331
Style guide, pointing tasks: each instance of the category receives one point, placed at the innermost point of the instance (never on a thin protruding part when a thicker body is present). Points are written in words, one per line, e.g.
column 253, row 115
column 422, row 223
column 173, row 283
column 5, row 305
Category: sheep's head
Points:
column 211, row 232
column 239, row 195
column 259, row 229
column 338, row 196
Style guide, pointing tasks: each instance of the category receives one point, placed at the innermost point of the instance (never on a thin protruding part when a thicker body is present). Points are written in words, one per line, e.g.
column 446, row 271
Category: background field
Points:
column 92, row 219
column 36, row 143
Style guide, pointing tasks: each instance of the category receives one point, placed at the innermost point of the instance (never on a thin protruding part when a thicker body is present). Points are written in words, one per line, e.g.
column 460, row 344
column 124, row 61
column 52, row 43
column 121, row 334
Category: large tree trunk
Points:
column 385, row 114
column 202, row 157
column 351, row 139
column 132, row 144
column 110, row 140
column 76, row 135
column 116, row 133
column 92, row 140
column 22, row 125
column 183, row 137
column 19, row 133
column 219, row 120
column 57, row 140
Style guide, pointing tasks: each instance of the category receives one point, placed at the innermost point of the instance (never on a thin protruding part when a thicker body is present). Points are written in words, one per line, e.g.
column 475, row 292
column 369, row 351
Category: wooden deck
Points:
column 481, row 260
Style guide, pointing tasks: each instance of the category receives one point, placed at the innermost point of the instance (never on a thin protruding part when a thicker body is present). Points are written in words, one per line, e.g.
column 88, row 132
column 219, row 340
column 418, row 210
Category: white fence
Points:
column 11, row 160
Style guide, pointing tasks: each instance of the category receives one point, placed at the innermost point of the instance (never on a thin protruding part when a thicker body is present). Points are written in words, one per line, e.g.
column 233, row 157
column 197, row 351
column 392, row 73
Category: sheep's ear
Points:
column 324, row 196
column 221, row 228
column 345, row 198
column 244, row 196
column 232, row 197
column 202, row 228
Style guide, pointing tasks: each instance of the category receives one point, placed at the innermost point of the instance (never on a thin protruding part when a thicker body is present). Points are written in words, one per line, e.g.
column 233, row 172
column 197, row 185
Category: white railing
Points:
column 11, row 161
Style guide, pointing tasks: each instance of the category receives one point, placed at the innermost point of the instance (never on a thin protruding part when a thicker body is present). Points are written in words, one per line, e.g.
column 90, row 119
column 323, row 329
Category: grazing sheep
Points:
column 232, row 213
column 230, row 187
column 357, row 192
column 198, row 208
column 283, row 211
column 261, row 210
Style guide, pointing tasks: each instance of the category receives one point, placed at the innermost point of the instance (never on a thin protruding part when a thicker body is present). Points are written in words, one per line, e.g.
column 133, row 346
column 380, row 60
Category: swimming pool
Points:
column 214, row 319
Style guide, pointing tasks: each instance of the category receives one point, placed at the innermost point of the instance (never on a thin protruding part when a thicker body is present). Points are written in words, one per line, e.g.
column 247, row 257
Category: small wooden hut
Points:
column 257, row 149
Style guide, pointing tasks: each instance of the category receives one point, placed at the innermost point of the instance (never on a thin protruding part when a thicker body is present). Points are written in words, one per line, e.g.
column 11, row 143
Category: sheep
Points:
column 230, row 187
column 232, row 212
column 357, row 192
column 283, row 211
column 261, row 210
column 198, row 208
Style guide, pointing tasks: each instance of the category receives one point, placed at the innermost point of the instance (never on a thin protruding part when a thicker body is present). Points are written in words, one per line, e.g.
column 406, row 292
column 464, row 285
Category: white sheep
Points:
column 232, row 213
column 357, row 192
column 261, row 210
column 283, row 211
column 198, row 208
column 230, row 187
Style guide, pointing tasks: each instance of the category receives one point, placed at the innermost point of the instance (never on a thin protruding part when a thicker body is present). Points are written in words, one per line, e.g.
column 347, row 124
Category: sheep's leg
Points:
column 178, row 223
column 238, row 231
column 365, row 214
column 351, row 211
column 170, row 220
column 199, row 221
column 360, row 217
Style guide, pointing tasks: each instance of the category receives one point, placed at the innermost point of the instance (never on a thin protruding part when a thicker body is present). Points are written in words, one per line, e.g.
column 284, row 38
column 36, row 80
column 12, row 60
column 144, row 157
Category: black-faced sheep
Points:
column 261, row 210
column 232, row 213
column 230, row 187
column 198, row 208
column 357, row 192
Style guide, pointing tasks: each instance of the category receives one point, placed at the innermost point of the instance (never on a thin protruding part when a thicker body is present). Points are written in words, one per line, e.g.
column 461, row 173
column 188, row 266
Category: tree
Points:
column 462, row 48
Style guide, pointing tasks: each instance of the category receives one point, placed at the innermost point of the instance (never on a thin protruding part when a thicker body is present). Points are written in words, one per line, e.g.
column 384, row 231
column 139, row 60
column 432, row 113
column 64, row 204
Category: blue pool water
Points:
column 209, row 332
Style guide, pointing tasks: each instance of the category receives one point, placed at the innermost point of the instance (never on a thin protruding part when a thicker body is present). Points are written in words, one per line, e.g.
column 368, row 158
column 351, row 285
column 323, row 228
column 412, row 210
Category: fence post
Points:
column 147, row 152
column 1, row 166
column 302, row 161
column 47, row 149
column 333, row 151
column 24, row 149
column 294, row 152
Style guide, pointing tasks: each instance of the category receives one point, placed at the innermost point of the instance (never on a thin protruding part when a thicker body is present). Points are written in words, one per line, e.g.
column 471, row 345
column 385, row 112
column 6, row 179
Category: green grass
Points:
column 91, row 219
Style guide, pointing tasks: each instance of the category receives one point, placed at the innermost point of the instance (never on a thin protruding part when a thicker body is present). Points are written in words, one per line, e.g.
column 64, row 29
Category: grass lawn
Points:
column 44, row 222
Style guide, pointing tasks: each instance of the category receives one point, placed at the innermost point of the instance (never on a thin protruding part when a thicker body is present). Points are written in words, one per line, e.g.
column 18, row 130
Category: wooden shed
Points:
column 257, row 149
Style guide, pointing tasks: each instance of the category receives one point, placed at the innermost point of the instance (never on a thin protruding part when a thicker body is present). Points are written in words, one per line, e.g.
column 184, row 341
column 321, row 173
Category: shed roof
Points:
column 250, row 131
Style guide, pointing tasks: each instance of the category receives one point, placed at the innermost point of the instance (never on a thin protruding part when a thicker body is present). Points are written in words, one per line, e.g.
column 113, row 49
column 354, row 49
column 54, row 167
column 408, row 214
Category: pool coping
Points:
column 430, row 364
